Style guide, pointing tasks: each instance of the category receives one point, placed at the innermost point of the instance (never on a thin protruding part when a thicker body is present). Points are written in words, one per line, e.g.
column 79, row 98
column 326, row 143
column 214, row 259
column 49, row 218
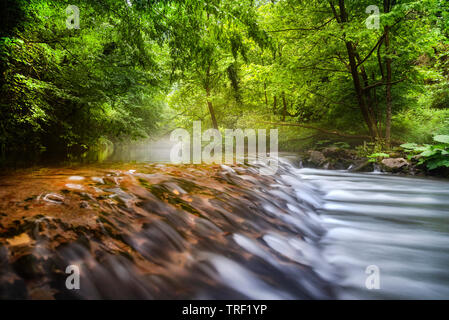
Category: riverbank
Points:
column 398, row 162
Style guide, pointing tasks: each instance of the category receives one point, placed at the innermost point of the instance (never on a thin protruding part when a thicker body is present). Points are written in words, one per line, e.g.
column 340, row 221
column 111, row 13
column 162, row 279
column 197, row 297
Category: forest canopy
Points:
column 139, row 68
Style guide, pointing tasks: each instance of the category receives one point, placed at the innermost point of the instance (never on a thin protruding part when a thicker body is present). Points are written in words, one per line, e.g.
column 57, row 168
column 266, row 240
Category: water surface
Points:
column 159, row 231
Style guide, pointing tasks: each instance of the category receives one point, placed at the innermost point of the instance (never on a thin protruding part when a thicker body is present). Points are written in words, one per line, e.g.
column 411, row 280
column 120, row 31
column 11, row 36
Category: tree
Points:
column 331, row 43
column 64, row 90
column 206, row 40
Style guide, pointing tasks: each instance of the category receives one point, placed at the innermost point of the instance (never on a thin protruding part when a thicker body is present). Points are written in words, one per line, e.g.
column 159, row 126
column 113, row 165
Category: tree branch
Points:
column 333, row 132
column 372, row 51
column 378, row 84
column 304, row 29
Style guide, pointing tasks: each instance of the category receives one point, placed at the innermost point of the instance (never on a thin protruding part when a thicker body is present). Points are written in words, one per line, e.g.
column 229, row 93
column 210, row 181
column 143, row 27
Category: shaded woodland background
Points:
column 137, row 69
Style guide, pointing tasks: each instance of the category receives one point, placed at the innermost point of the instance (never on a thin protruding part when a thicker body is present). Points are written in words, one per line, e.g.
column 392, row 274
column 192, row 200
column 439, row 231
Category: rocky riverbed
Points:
column 150, row 231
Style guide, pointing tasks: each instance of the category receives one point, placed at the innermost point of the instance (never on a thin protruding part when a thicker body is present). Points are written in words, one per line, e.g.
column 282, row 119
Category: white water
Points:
column 400, row 225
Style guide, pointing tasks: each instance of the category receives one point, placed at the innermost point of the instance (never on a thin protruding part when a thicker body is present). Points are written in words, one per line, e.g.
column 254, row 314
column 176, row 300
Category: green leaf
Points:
column 410, row 146
column 429, row 153
column 442, row 138
column 379, row 155
column 438, row 163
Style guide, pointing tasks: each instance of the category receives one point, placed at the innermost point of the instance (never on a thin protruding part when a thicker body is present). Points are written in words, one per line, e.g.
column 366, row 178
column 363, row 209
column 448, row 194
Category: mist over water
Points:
column 143, row 151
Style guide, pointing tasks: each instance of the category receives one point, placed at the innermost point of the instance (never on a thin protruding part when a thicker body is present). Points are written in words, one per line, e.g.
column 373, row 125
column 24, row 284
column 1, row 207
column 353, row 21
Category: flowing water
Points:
column 398, row 224
column 158, row 231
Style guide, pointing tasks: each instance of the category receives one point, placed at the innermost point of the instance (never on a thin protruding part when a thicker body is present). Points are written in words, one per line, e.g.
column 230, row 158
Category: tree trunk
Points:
column 209, row 103
column 352, row 55
column 211, row 109
column 275, row 102
column 377, row 111
column 369, row 120
column 389, row 98
column 369, row 98
column 265, row 92
column 284, row 112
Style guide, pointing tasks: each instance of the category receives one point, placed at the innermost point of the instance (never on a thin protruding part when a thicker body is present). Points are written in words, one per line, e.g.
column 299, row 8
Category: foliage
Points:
column 139, row 68
column 375, row 157
column 65, row 90
column 300, row 72
column 433, row 156
column 371, row 150
column 342, row 144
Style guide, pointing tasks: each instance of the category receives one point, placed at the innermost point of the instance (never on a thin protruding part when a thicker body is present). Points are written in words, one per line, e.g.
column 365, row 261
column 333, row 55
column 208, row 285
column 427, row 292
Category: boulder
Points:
column 331, row 151
column 362, row 166
column 316, row 158
column 337, row 153
column 338, row 158
column 394, row 164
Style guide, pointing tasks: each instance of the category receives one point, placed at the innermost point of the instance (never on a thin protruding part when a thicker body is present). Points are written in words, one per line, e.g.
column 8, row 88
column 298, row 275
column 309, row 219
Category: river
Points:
column 151, row 230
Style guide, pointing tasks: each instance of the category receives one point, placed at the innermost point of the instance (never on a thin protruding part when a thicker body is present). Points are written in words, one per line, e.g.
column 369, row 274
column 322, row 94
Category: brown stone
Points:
column 393, row 164
column 316, row 157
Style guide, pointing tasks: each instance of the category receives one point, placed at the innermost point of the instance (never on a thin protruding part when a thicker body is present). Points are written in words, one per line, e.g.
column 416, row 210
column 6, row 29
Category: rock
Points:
column 364, row 166
column 84, row 205
column 20, row 240
column 337, row 153
column 394, row 164
column 53, row 198
column 335, row 158
column 13, row 289
column 316, row 158
column 3, row 257
column 28, row 267
column 330, row 151
column 98, row 180
column 227, row 169
column 395, row 154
